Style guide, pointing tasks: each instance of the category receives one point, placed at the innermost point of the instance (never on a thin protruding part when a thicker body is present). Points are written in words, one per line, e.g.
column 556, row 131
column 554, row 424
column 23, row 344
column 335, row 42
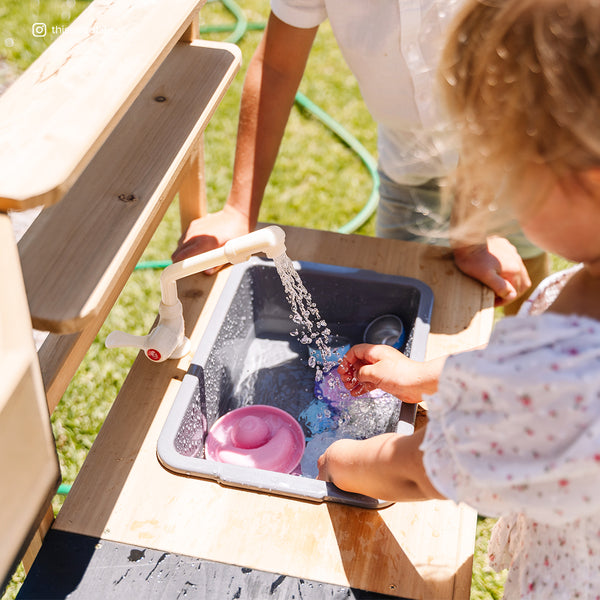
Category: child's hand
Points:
column 366, row 367
column 339, row 464
column 496, row 264
column 387, row 466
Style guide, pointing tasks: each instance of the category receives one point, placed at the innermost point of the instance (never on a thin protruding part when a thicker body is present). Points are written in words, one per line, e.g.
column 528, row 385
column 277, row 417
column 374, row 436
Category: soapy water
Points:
column 335, row 414
column 275, row 374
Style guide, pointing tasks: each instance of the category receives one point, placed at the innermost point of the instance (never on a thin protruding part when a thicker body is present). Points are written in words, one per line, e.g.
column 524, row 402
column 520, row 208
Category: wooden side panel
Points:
column 28, row 462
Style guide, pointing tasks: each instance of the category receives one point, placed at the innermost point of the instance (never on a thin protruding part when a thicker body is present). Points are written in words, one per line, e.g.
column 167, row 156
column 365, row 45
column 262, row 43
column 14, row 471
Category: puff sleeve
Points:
column 515, row 428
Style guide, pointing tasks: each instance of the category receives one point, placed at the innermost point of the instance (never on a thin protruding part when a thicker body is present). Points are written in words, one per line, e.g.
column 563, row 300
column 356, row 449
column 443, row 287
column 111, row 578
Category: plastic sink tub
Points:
column 247, row 356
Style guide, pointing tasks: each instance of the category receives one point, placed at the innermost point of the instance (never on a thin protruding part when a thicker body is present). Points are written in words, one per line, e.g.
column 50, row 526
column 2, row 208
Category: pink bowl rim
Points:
column 252, row 409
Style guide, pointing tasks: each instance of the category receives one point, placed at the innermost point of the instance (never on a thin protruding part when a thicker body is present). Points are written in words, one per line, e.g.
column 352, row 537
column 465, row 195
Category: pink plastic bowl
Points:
column 259, row 436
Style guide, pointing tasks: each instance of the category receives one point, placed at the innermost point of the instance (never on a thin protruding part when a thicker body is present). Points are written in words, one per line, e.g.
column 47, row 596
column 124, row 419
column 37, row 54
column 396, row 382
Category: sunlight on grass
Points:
column 486, row 583
column 28, row 28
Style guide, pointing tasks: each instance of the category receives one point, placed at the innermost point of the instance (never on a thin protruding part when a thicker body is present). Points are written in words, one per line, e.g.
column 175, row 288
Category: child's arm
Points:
column 367, row 366
column 388, row 467
column 496, row 264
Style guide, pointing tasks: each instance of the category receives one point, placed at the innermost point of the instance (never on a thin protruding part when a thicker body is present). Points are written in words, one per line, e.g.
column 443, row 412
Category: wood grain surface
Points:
column 410, row 549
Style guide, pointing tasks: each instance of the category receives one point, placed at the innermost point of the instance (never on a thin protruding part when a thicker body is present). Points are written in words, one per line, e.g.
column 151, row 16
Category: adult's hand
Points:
column 210, row 232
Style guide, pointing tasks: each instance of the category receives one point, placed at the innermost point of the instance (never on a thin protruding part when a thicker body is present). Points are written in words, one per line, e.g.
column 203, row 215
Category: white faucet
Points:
column 167, row 339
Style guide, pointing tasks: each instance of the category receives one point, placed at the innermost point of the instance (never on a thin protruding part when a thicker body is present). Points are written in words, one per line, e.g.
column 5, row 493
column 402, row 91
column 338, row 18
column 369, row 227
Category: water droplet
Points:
column 531, row 131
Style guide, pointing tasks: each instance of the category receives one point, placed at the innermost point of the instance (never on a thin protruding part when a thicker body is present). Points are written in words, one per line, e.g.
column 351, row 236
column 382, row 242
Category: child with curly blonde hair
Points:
column 513, row 429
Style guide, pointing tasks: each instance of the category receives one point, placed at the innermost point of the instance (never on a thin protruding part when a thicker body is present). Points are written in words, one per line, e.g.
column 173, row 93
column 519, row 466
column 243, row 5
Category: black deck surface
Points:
column 79, row 567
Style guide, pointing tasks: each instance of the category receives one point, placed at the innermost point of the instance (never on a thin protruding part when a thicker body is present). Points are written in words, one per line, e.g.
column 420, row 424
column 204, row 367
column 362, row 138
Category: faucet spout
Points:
column 167, row 339
column 270, row 240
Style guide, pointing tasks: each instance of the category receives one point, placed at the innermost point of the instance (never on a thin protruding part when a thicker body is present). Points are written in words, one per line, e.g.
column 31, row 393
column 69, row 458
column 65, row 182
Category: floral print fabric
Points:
column 514, row 431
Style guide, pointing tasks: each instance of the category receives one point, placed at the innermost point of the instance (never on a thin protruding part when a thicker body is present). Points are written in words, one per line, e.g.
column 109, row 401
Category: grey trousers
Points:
column 416, row 213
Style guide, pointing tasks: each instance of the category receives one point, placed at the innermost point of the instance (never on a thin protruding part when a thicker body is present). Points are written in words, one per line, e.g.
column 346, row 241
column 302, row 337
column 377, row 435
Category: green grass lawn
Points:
column 317, row 182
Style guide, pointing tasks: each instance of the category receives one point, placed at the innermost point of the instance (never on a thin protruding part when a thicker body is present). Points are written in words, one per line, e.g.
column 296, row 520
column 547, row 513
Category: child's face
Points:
column 566, row 219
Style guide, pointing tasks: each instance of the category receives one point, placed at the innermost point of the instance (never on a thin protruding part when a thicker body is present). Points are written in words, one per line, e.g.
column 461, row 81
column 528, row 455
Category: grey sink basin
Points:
column 247, row 356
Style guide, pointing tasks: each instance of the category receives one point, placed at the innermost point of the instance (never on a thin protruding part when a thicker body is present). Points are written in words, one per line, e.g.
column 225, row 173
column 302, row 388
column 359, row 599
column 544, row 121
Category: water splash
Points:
column 333, row 413
column 312, row 329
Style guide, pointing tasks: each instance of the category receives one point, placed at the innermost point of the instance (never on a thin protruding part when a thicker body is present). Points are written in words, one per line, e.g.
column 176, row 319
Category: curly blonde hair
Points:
column 522, row 80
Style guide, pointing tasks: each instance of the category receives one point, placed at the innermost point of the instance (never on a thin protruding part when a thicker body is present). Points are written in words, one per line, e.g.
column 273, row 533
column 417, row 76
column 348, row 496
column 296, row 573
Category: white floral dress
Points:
column 514, row 431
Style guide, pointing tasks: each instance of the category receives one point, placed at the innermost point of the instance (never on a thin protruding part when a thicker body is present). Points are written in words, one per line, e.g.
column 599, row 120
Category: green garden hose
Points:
column 152, row 264
column 369, row 162
column 241, row 23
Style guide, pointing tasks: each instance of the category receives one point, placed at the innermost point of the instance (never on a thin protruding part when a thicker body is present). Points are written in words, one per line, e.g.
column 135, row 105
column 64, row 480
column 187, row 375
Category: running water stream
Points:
column 311, row 328
column 333, row 413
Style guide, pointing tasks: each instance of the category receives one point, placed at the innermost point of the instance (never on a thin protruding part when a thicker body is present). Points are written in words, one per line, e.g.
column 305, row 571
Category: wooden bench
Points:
column 103, row 131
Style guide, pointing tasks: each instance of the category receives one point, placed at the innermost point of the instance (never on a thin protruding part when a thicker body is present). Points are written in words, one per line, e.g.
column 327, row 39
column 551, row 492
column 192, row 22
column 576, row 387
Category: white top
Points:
column 547, row 291
column 392, row 47
column 514, row 431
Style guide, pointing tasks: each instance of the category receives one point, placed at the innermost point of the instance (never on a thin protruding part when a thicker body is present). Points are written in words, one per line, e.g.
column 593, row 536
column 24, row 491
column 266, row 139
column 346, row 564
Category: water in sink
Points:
column 276, row 373
column 252, row 352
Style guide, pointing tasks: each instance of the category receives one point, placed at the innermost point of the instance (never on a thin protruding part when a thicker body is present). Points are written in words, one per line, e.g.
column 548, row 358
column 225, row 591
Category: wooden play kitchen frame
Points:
column 103, row 131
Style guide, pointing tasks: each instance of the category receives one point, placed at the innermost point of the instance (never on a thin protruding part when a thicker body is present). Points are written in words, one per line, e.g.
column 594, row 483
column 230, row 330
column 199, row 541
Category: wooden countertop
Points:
column 411, row 549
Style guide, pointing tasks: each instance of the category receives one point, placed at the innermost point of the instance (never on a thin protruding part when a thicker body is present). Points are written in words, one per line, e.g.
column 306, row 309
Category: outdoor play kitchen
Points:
column 174, row 496
column 261, row 399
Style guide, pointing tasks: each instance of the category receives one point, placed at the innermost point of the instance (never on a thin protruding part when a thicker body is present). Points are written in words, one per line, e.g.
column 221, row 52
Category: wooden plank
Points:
column 29, row 465
column 56, row 116
column 38, row 538
column 192, row 193
column 78, row 251
column 415, row 550
column 61, row 355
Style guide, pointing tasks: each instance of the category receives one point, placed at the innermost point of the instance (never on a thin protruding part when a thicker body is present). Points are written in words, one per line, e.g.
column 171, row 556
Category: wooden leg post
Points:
column 193, row 31
column 38, row 538
column 192, row 192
